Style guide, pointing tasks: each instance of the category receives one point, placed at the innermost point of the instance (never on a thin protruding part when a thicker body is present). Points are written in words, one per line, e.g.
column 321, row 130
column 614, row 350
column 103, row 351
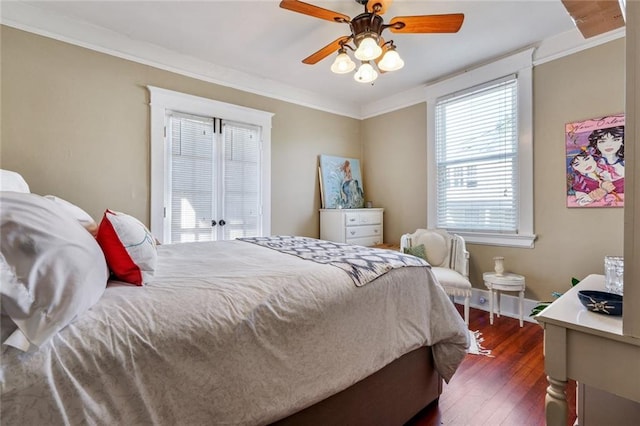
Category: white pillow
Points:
column 12, row 181
column 54, row 269
column 128, row 246
column 77, row 213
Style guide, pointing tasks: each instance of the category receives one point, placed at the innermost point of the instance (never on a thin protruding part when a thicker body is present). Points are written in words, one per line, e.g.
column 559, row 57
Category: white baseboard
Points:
column 508, row 304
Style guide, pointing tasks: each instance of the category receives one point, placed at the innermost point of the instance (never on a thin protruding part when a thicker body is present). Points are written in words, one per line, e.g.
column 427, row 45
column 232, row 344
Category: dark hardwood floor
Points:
column 508, row 389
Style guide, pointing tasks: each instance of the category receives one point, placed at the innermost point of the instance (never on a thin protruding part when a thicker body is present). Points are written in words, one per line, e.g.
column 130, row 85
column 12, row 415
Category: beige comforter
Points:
column 227, row 333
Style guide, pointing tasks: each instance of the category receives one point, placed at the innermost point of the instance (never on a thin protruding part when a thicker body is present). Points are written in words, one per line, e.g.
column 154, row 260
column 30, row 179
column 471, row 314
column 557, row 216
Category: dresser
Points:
column 591, row 349
column 353, row 226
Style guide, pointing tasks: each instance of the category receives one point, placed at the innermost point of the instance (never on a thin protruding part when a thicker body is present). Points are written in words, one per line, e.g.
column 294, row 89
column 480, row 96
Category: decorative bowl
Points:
column 601, row 302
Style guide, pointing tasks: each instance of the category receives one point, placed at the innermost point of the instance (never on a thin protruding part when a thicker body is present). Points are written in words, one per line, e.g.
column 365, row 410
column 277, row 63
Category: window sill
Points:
column 504, row 240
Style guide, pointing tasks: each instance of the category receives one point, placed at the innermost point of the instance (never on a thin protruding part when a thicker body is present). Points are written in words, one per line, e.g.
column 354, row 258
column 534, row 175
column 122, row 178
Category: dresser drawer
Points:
column 366, row 241
column 363, row 231
column 363, row 227
column 363, row 218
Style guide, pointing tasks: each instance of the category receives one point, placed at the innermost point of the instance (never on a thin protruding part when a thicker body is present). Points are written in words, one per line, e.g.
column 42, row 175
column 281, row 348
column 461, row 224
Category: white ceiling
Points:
column 259, row 46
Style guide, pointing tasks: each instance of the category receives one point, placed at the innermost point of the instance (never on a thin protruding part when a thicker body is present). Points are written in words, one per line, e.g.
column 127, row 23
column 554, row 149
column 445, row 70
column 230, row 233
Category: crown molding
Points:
column 398, row 101
column 30, row 18
column 550, row 49
column 571, row 42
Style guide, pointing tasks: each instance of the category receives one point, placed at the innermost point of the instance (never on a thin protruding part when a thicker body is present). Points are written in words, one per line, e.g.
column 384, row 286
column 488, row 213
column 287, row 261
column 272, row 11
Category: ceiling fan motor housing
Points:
column 366, row 24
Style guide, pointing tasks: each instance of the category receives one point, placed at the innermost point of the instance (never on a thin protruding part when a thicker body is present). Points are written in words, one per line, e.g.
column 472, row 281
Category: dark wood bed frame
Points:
column 391, row 396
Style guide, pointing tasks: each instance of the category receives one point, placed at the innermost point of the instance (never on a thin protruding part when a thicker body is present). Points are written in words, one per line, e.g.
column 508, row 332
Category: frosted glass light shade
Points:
column 343, row 64
column 368, row 49
column 365, row 74
column 391, row 61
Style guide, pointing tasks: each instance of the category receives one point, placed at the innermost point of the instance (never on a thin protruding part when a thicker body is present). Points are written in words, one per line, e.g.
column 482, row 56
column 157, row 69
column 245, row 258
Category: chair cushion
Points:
column 435, row 247
column 450, row 278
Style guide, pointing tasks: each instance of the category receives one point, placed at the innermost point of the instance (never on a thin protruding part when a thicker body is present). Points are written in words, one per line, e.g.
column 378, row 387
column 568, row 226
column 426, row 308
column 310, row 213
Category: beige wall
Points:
column 394, row 158
column 571, row 242
column 75, row 123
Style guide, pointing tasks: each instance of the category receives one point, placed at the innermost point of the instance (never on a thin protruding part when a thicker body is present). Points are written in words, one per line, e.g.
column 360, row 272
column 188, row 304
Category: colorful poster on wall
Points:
column 341, row 183
column 595, row 162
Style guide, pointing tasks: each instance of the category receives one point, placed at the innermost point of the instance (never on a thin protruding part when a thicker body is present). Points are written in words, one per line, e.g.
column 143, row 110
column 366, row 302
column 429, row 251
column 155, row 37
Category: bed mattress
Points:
column 227, row 333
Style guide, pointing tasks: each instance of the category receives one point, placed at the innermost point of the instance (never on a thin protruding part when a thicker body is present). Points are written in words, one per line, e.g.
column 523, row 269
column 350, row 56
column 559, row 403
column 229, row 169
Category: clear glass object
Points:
column 614, row 274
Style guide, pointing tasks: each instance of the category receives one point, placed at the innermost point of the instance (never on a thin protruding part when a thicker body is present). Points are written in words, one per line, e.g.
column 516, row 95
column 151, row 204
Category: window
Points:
column 479, row 146
column 210, row 176
column 476, row 159
column 214, row 179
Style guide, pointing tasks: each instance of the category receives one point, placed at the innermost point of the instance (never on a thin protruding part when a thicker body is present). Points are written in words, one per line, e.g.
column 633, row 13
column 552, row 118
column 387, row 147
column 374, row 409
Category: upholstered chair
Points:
column 449, row 260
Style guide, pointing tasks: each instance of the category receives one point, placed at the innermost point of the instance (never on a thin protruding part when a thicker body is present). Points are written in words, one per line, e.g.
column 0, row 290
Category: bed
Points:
column 242, row 332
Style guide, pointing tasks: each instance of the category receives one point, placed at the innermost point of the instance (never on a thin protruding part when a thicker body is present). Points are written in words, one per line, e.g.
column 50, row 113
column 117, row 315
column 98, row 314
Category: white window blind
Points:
column 476, row 144
column 192, row 178
column 241, row 179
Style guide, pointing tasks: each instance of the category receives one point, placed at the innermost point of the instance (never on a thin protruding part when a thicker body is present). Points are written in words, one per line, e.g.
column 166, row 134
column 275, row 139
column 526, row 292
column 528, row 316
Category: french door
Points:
column 212, row 184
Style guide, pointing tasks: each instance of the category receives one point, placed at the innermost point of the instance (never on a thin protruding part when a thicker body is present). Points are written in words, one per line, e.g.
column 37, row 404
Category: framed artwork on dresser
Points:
column 341, row 183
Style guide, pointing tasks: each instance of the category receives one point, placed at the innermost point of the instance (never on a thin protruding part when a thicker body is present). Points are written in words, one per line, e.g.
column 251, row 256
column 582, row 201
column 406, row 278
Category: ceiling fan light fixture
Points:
column 365, row 74
column 368, row 49
column 343, row 63
column 391, row 61
column 366, row 35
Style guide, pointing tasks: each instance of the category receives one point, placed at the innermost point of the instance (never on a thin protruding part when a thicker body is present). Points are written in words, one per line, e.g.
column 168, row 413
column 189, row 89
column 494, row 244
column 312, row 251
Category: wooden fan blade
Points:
column 325, row 51
column 315, row 11
column 380, row 5
column 450, row 23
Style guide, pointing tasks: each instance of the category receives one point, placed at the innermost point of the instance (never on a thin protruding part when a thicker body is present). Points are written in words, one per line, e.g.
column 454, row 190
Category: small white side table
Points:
column 505, row 282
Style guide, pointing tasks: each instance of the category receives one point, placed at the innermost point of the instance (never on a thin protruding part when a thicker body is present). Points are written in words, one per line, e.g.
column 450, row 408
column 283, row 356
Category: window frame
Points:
column 520, row 64
column 162, row 100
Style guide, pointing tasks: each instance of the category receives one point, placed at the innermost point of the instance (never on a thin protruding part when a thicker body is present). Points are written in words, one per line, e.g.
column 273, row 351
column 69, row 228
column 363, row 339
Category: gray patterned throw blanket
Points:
column 363, row 264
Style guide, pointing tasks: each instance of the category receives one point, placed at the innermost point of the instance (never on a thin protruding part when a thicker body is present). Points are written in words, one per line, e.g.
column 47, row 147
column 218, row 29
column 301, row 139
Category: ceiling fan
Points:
column 366, row 34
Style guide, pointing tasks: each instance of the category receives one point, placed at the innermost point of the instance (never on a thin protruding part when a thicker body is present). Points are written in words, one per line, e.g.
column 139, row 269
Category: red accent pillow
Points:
column 128, row 247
